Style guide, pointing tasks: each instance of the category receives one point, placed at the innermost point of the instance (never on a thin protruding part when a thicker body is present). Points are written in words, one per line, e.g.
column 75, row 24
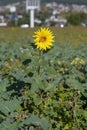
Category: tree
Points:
column 76, row 18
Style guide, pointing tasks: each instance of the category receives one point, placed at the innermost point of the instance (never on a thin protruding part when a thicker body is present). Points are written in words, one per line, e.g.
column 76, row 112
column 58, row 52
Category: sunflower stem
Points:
column 40, row 60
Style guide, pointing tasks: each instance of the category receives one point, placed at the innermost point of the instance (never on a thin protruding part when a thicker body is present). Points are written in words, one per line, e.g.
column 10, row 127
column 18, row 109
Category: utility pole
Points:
column 32, row 5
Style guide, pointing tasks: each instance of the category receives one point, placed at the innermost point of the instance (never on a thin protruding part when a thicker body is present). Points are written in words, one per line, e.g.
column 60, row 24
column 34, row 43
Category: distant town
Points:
column 48, row 14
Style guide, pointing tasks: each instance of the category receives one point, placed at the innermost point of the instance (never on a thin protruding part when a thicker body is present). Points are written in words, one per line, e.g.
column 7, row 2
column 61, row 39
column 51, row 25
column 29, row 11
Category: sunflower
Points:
column 43, row 38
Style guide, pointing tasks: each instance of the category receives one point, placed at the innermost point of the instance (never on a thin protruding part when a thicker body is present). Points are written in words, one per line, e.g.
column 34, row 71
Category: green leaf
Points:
column 37, row 100
column 9, row 106
column 7, row 125
column 72, row 82
column 3, row 84
column 35, row 120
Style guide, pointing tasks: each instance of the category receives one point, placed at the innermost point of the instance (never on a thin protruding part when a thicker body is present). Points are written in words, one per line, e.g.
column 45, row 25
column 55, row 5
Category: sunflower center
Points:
column 43, row 39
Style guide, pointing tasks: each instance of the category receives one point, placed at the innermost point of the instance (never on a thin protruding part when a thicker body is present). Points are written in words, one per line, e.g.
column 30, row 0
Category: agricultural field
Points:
column 73, row 35
column 43, row 90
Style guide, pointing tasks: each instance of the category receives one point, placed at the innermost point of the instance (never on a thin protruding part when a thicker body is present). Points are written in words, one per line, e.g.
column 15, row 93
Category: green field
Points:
column 43, row 90
column 73, row 35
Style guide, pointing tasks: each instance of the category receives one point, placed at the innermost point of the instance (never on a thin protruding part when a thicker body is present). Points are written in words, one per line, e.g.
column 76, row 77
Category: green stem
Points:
column 40, row 60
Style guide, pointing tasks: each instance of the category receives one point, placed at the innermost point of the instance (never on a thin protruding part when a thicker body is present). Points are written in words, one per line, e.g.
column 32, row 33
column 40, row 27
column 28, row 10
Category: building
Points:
column 3, row 22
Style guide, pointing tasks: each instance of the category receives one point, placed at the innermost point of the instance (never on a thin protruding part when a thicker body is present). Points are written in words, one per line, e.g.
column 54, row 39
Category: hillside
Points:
column 4, row 2
column 67, row 1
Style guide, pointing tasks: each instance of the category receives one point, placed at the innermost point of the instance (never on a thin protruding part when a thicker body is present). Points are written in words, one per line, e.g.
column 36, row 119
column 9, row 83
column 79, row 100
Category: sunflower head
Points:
column 44, row 38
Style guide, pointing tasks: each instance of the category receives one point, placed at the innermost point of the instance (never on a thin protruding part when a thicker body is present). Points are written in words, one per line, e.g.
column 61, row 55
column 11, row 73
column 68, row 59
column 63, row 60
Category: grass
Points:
column 72, row 35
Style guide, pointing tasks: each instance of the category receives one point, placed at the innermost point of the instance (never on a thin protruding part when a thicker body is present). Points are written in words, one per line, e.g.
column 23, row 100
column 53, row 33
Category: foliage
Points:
column 67, row 1
column 59, row 1
column 41, row 92
column 20, row 21
column 24, row 20
column 76, row 18
column 43, row 15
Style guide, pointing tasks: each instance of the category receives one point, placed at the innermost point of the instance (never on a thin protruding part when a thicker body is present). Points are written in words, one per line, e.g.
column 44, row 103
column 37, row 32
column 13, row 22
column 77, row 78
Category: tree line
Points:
column 4, row 2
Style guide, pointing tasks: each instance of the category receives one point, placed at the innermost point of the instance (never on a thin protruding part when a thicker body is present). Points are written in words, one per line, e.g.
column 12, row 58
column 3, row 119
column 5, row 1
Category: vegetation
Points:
column 43, row 91
column 73, row 35
column 4, row 2
column 59, row 1
column 75, row 18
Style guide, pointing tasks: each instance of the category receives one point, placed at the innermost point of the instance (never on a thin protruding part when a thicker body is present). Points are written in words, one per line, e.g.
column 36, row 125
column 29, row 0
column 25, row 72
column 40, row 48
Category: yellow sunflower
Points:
column 44, row 38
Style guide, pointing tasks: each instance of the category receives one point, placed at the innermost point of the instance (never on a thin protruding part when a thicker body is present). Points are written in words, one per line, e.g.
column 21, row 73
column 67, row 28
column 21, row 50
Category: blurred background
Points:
column 58, row 13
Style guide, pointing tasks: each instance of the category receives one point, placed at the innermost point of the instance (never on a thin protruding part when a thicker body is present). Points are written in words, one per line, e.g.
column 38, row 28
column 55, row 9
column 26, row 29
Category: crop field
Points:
column 73, row 35
column 43, row 90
